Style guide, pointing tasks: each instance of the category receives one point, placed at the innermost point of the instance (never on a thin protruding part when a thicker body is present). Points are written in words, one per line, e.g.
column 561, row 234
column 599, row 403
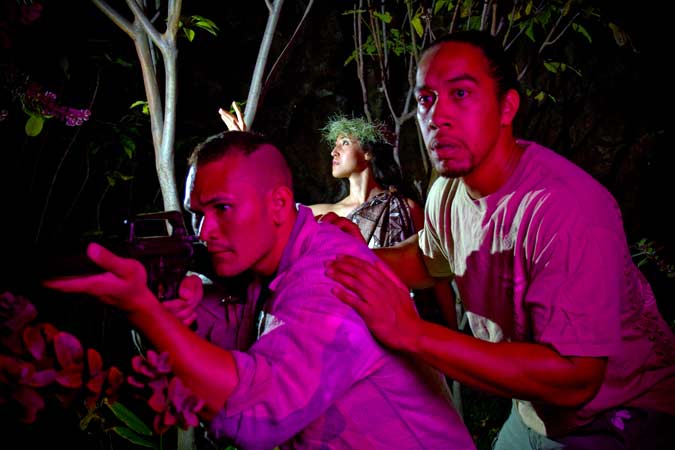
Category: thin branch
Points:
column 454, row 16
column 290, row 41
column 173, row 18
column 116, row 18
column 484, row 14
column 561, row 32
column 358, row 39
column 493, row 27
column 140, row 16
column 254, row 91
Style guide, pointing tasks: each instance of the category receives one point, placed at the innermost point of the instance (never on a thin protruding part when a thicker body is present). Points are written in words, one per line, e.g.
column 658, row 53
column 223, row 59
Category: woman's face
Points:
column 348, row 157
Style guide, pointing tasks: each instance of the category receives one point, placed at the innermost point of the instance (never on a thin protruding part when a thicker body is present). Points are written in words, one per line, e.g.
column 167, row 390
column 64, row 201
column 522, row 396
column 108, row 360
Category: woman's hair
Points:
column 374, row 138
column 358, row 128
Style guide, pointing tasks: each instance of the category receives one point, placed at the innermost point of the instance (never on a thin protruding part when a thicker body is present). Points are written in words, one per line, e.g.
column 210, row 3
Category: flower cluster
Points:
column 39, row 361
column 172, row 401
column 43, row 103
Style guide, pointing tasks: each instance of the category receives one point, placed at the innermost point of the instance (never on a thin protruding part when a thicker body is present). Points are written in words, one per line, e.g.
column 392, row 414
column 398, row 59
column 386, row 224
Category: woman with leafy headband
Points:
column 362, row 155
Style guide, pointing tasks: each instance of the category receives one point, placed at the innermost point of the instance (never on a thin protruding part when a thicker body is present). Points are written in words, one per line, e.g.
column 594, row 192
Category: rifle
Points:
column 159, row 240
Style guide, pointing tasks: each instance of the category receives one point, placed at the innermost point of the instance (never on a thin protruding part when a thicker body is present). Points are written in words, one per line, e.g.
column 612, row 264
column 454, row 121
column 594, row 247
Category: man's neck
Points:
column 496, row 170
column 268, row 265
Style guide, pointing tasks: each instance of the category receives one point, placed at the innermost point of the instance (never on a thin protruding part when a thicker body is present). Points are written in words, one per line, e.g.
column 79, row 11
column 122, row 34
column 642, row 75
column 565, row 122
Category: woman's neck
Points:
column 363, row 186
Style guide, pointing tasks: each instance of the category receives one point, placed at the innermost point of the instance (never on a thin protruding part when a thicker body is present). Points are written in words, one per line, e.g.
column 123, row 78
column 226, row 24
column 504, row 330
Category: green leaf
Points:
column 349, row 12
column 417, row 25
column 351, row 58
column 540, row 96
column 529, row 32
column 206, row 24
column 133, row 437
column 528, row 8
column 552, row 66
column 128, row 145
column 386, row 17
column 34, row 125
column 619, row 36
column 144, row 104
column 580, row 29
column 129, row 418
column 189, row 34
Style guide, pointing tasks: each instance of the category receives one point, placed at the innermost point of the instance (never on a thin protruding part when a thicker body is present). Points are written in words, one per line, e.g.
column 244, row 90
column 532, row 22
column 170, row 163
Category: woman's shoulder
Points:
column 340, row 208
column 415, row 210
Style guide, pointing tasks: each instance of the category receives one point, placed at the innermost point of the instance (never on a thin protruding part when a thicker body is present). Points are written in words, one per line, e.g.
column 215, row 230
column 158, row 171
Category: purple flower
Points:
column 98, row 377
column 185, row 403
column 619, row 417
column 30, row 13
column 44, row 104
column 15, row 313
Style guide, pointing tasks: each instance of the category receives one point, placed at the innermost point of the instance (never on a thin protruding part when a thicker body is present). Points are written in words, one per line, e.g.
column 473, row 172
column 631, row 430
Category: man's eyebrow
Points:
column 451, row 80
column 462, row 77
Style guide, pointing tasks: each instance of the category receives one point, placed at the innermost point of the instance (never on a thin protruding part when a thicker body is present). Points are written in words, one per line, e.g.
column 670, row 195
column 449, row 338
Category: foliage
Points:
column 37, row 103
column 356, row 127
column 39, row 363
column 647, row 251
column 189, row 23
column 41, row 105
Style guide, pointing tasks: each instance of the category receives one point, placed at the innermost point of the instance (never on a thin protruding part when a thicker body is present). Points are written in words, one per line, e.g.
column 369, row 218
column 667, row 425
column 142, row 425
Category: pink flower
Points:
column 15, row 313
column 30, row 13
column 185, row 403
column 16, row 390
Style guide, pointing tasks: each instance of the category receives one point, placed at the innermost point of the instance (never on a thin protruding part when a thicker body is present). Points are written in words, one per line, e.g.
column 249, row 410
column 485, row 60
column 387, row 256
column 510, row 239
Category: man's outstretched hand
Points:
column 123, row 284
column 379, row 297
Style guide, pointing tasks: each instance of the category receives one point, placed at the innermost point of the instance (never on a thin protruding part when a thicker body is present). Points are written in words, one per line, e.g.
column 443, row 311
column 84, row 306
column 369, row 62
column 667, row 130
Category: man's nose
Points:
column 334, row 152
column 439, row 116
column 204, row 229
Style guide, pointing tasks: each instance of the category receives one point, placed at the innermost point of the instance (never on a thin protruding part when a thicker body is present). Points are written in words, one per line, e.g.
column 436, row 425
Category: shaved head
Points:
column 269, row 168
column 241, row 197
column 264, row 161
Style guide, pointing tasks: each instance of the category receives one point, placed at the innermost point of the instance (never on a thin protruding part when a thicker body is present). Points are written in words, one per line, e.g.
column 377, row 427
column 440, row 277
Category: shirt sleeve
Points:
column 432, row 243
column 312, row 350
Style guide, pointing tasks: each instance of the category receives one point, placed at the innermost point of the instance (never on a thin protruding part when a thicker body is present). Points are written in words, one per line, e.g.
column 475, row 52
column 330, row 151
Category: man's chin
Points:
column 227, row 271
column 450, row 172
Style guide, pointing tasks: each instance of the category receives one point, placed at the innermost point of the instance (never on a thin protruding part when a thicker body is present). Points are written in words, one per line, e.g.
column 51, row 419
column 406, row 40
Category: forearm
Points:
column 206, row 368
column 526, row 371
column 405, row 259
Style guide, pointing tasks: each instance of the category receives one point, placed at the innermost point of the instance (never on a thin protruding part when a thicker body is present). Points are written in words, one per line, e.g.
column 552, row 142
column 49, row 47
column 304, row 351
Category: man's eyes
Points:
column 425, row 99
column 460, row 93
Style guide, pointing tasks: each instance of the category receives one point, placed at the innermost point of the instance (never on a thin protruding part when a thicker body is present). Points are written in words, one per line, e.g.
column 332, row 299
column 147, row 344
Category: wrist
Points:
column 410, row 337
column 146, row 308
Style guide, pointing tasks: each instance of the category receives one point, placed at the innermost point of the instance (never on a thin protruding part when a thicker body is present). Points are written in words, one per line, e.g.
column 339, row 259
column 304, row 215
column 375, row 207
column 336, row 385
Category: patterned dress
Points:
column 384, row 220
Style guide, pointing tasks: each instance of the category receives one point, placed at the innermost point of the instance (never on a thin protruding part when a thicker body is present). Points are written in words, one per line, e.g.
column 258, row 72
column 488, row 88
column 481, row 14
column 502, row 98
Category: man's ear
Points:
column 282, row 204
column 510, row 105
